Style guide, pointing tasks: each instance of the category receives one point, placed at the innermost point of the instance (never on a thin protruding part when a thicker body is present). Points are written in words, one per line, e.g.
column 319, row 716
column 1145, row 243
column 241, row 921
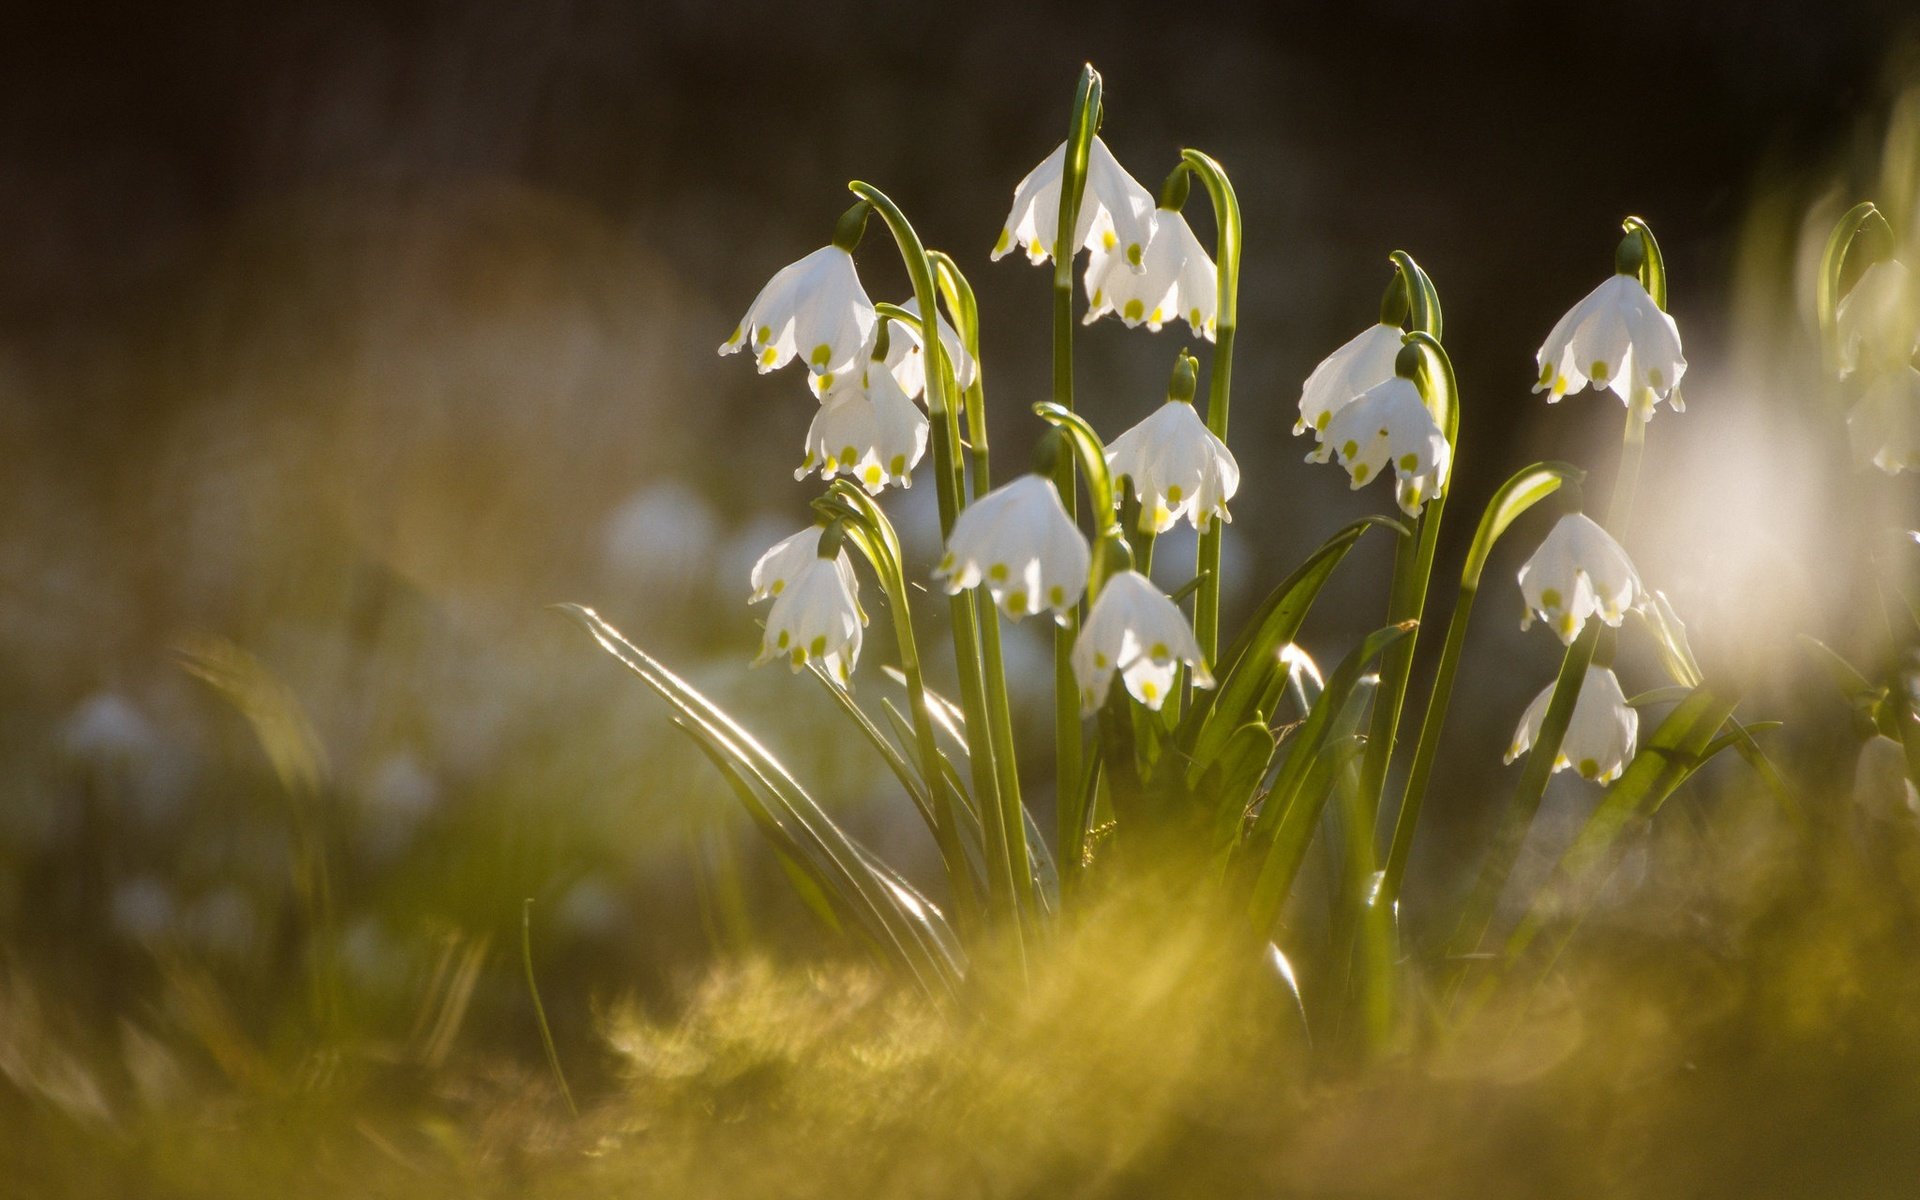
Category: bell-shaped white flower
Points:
column 1116, row 213
column 1617, row 338
column 1389, row 426
column 1133, row 628
column 869, row 428
column 1362, row 364
column 1020, row 542
column 1877, row 324
column 906, row 357
column 816, row 617
column 1601, row 736
column 783, row 560
column 815, row 309
column 1579, row 571
column 1175, row 280
column 1179, row 469
column 1884, row 425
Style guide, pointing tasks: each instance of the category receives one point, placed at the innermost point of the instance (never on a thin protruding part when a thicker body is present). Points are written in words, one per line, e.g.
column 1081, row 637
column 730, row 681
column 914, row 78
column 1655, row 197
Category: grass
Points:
column 1744, row 1022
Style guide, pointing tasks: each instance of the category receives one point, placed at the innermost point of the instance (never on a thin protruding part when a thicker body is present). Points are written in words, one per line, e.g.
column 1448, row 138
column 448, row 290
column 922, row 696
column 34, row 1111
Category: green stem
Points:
column 539, row 1009
column 1226, row 215
column 1066, row 693
column 1412, row 572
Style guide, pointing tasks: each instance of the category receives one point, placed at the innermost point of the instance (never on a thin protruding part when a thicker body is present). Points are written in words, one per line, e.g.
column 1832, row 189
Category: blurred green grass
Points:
column 1748, row 1025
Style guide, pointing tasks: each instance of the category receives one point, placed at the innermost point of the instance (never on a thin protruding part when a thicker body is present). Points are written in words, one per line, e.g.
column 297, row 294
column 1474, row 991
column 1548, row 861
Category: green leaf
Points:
column 910, row 929
column 1524, row 489
column 1285, row 826
column 1678, row 748
column 1252, row 661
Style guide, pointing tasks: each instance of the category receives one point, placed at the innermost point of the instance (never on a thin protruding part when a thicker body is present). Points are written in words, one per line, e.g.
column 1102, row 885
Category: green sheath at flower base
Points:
column 1423, row 299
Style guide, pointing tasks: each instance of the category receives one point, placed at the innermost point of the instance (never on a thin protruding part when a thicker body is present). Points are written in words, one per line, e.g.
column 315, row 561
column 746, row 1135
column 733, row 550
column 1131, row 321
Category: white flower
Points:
column 814, row 308
column 1363, row 363
column 868, row 428
column 1175, row 279
column 782, row 562
column 816, row 618
column 1115, row 211
column 1877, row 324
column 1389, row 425
column 907, row 361
column 1579, row 571
column 1179, row 469
column 1020, row 541
column 1133, row 628
column 1616, row 338
column 1600, row 738
column 1884, row 426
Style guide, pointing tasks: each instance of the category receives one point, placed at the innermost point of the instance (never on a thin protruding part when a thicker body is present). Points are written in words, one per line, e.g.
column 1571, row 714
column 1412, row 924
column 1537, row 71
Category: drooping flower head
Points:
column 1600, row 738
column 1360, row 365
column 813, row 309
column 1616, row 339
column 782, row 562
column 816, row 615
column 1884, row 424
column 1116, row 213
column 1174, row 279
column 1133, row 628
column 869, row 428
column 1019, row 541
column 1389, row 426
column 1178, row 467
column 1877, row 324
column 1579, row 571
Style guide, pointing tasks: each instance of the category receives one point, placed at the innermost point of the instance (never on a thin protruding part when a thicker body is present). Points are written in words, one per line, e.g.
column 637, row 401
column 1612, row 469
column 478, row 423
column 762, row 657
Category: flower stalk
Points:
column 1226, row 216
column 1083, row 124
column 1004, row 892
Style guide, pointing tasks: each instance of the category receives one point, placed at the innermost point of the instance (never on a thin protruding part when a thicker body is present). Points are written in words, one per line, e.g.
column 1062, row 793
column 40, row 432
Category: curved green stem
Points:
column 947, row 478
column 873, row 535
column 1226, row 219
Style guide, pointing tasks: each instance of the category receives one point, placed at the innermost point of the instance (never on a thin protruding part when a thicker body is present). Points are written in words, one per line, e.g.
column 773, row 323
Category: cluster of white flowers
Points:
column 1359, row 406
column 1147, row 267
column 1364, row 405
column 1877, row 329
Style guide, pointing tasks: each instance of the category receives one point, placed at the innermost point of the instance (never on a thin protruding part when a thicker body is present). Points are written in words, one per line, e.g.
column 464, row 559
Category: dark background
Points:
column 355, row 334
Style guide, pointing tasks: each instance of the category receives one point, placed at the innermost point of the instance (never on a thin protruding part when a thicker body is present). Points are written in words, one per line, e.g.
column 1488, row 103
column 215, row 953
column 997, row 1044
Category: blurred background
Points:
column 337, row 340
